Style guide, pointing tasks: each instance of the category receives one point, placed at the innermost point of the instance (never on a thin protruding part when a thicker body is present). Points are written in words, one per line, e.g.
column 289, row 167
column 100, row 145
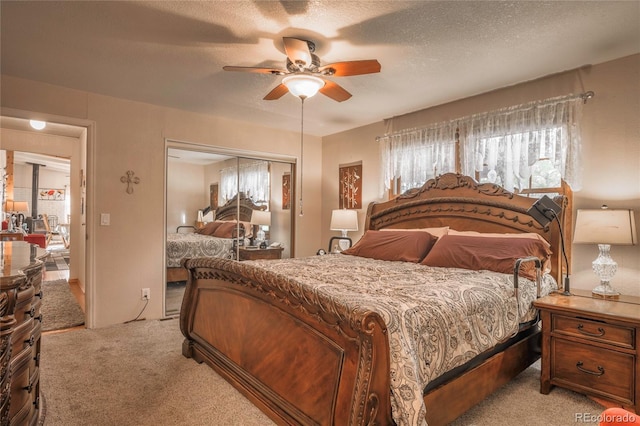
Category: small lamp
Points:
column 605, row 227
column 544, row 210
column 260, row 218
column 344, row 220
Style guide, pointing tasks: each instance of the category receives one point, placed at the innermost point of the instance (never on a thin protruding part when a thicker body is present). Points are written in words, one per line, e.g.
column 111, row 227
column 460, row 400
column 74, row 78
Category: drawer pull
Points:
column 39, row 294
column 38, row 318
column 600, row 371
column 31, row 312
column 28, row 388
column 31, row 340
column 586, row 333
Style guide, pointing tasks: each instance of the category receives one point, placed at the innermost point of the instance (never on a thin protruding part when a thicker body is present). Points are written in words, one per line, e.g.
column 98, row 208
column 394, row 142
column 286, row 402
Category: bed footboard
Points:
column 300, row 361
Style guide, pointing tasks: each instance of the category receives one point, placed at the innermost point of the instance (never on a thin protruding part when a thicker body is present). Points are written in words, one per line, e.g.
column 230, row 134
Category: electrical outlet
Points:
column 146, row 294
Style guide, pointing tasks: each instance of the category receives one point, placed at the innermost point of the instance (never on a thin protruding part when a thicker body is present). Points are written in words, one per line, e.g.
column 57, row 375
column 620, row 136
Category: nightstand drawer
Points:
column 595, row 330
column 597, row 370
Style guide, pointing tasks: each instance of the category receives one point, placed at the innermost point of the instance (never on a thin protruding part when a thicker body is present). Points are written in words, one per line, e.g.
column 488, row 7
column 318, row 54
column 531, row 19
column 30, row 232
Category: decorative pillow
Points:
column 405, row 246
column 436, row 232
column 532, row 235
column 227, row 230
column 488, row 253
column 209, row 228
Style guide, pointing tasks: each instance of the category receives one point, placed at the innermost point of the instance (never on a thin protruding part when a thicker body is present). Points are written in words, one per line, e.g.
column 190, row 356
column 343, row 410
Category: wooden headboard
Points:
column 463, row 204
column 233, row 210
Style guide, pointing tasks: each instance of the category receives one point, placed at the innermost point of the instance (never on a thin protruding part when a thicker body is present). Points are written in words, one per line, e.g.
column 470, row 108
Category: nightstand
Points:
column 258, row 253
column 590, row 346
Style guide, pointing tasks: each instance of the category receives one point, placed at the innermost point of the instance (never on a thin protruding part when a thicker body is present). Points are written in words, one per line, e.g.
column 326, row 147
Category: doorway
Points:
column 48, row 170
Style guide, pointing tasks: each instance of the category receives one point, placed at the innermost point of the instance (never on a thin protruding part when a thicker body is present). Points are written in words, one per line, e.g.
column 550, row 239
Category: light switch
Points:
column 105, row 219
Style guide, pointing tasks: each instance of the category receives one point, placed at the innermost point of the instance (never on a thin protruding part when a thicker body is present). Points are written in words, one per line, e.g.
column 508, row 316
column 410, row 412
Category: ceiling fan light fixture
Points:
column 303, row 85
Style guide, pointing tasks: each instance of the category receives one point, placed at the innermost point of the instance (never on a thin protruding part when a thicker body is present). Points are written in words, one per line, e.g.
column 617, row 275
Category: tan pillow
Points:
column 532, row 235
column 489, row 253
column 436, row 232
column 405, row 246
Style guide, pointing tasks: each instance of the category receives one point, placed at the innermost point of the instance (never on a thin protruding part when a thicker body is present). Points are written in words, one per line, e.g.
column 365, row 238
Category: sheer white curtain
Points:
column 252, row 179
column 504, row 144
column 417, row 155
column 510, row 141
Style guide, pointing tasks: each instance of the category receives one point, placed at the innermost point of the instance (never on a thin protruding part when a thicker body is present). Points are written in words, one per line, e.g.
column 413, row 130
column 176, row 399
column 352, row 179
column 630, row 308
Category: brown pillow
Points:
column 405, row 246
column 209, row 228
column 227, row 230
column 487, row 253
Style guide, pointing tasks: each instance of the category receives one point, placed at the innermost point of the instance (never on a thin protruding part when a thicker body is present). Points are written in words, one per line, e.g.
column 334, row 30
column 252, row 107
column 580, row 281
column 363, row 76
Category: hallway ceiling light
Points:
column 37, row 124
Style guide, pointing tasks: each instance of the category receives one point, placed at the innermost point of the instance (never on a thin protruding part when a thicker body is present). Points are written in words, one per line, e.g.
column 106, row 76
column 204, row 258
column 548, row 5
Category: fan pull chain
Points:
column 301, row 150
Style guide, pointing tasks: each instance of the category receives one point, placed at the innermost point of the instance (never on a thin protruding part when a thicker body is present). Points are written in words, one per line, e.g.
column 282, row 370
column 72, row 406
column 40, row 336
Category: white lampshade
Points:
column 604, row 226
column 344, row 220
column 260, row 217
column 303, row 85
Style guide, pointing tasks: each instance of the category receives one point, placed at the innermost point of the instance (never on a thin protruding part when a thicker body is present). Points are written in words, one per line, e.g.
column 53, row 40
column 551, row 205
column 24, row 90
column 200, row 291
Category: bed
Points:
column 315, row 340
column 183, row 245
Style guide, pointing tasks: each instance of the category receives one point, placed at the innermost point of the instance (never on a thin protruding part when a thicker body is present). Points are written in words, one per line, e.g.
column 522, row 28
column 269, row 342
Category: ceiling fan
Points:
column 304, row 66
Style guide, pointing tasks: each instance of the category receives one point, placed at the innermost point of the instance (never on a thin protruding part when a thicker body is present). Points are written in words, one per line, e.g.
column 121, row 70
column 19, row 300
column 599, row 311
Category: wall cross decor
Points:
column 129, row 180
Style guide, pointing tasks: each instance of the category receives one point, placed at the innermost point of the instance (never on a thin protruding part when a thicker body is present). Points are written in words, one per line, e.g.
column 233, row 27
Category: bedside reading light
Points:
column 544, row 211
column 605, row 227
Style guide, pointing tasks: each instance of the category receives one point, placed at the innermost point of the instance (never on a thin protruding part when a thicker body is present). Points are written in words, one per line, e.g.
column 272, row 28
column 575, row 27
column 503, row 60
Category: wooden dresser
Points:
column 591, row 346
column 20, row 327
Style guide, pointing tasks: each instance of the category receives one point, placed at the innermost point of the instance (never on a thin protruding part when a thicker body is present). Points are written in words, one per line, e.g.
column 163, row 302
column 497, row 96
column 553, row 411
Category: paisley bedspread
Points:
column 437, row 318
column 180, row 246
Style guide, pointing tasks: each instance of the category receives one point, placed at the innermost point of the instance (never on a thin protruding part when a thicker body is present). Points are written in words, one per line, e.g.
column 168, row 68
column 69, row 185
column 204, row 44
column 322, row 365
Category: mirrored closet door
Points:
column 222, row 204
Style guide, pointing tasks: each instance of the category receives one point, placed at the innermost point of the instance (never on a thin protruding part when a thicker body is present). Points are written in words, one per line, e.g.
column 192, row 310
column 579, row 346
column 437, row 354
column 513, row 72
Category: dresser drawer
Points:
column 597, row 370
column 595, row 330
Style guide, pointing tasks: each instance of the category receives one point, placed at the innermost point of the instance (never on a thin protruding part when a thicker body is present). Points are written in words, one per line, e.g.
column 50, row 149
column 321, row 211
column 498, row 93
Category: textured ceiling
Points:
column 172, row 53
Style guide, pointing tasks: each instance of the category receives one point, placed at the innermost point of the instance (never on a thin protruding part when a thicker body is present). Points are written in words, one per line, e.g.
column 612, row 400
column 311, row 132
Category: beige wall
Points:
column 129, row 254
column 611, row 152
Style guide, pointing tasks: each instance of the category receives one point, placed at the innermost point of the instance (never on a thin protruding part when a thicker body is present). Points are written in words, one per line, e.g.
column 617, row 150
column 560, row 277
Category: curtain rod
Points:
column 585, row 96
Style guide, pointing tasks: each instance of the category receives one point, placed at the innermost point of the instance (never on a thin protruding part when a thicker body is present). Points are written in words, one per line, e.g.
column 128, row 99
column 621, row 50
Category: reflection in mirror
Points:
column 206, row 193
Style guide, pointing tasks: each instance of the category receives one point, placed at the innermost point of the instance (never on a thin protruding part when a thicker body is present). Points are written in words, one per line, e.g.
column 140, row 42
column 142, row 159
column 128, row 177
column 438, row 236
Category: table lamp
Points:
column 260, row 218
column 605, row 227
column 344, row 220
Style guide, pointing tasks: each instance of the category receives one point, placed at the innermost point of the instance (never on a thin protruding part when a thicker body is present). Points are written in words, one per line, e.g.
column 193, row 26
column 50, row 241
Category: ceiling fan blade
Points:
column 342, row 69
column 276, row 93
column 297, row 51
column 256, row 70
column 335, row 91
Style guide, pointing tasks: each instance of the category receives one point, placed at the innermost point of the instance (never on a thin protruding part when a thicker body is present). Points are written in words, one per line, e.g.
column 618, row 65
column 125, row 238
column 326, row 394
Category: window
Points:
column 526, row 149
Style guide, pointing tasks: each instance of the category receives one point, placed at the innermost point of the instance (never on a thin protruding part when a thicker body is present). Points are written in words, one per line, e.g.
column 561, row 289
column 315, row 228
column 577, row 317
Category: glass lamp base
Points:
column 605, row 291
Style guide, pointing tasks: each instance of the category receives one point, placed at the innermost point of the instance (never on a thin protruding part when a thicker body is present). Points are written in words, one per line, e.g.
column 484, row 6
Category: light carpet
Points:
column 135, row 374
column 59, row 309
